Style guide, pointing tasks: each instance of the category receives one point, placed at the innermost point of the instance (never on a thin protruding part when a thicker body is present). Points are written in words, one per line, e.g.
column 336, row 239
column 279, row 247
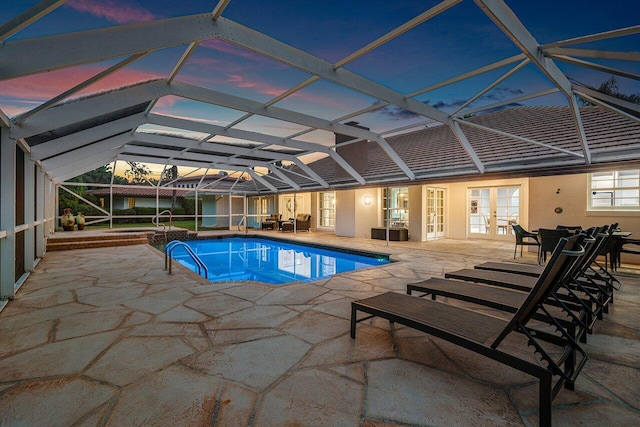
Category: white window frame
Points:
column 331, row 210
column 398, row 201
column 598, row 187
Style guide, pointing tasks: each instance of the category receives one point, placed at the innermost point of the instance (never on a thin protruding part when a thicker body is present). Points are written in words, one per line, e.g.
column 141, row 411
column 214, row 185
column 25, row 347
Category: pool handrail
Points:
column 157, row 218
column 168, row 250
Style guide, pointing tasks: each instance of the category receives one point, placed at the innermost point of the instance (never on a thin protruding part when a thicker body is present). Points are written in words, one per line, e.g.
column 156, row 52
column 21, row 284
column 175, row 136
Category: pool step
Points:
column 80, row 240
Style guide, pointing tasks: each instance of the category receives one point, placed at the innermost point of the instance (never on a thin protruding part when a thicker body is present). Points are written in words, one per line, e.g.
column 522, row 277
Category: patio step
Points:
column 79, row 241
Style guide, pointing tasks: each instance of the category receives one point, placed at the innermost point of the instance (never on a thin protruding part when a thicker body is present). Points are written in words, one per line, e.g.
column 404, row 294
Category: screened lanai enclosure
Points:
column 278, row 98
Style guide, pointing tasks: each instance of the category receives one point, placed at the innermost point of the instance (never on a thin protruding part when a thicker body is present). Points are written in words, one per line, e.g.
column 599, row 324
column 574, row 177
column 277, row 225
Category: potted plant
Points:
column 68, row 220
column 80, row 221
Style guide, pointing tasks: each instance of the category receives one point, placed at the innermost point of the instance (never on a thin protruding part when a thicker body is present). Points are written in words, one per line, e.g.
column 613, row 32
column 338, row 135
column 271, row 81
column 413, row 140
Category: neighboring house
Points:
column 129, row 198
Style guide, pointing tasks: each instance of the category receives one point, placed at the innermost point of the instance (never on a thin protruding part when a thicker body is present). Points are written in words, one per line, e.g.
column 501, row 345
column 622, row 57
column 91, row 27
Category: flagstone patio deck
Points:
column 106, row 337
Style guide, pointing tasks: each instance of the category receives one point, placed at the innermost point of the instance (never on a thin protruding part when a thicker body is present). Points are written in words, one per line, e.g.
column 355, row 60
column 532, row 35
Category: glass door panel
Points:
column 507, row 209
column 435, row 213
column 493, row 211
column 479, row 211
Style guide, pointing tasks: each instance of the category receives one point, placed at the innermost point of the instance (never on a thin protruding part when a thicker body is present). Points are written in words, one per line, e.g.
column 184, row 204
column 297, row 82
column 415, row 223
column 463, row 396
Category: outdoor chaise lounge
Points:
column 485, row 334
column 592, row 291
column 573, row 316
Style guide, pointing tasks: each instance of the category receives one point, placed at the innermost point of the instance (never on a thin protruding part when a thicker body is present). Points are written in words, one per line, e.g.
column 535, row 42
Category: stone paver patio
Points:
column 106, row 337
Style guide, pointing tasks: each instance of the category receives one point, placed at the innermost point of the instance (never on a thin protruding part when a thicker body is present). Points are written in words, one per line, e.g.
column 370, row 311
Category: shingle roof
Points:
column 141, row 192
column 436, row 153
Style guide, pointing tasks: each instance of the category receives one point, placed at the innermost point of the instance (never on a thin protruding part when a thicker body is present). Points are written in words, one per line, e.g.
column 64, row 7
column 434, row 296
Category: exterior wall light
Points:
column 367, row 200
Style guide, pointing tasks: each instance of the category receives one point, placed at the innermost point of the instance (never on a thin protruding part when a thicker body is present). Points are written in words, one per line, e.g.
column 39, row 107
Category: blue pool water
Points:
column 271, row 261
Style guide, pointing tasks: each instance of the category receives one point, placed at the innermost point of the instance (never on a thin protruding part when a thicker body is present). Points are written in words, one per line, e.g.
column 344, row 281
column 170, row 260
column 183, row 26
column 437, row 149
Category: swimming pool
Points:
column 271, row 261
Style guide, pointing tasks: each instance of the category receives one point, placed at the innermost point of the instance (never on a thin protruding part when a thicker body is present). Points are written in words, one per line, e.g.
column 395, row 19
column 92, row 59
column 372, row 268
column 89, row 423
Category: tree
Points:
column 171, row 174
column 610, row 87
column 137, row 173
column 101, row 175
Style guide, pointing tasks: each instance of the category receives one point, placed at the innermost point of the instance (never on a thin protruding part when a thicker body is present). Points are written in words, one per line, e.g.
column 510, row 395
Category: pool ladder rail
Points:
column 168, row 250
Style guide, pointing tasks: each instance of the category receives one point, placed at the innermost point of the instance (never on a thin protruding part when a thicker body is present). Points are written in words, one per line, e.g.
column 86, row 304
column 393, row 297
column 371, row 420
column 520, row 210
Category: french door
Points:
column 435, row 213
column 492, row 211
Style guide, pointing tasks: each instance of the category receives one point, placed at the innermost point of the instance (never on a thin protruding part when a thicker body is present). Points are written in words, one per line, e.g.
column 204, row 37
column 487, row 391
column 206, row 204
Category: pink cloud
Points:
column 261, row 87
column 45, row 86
column 166, row 101
column 112, row 10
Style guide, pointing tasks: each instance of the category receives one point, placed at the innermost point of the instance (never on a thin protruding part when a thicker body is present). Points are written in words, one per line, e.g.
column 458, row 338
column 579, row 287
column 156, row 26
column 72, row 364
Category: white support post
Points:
column 51, row 206
column 7, row 214
column 196, row 208
column 230, row 211
column 29, row 214
column 56, row 208
column 41, row 200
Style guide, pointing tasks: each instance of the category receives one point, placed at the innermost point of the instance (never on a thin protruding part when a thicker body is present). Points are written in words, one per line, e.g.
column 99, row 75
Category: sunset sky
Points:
column 461, row 39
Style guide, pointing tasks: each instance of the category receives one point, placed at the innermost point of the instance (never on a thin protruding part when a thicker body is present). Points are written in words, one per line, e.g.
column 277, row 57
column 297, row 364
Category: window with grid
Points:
column 327, row 207
column 131, row 202
column 396, row 207
column 615, row 190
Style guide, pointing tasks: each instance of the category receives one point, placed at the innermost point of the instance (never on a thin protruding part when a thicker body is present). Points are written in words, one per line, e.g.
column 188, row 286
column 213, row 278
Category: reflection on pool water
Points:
column 271, row 261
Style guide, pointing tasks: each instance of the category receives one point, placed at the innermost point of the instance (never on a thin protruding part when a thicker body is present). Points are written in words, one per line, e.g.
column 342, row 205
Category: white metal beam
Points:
column 91, row 107
column 85, row 137
column 24, row 57
column 220, row 7
column 513, row 100
column 608, row 106
column 577, row 119
column 594, row 37
column 407, row 26
column 473, row 73
column 264, row 182
column 176, row 156
column 186, row 163
column 346, row 166
column 276, row 171
column 7, row 215
column 491, row 85
column 88, row 164
column 78, row 155
column 608, row 98
column 210, row 147
column 77, row 88
column 210, row 96
column 28, row 17
column 518, row 137
column 5, row 122
column 311, row 173
column 509, row 23
column 598, row 67
column 466, row 145
column 74, row 194
column 395, row 158
column 197, row 126
column 593, row 53
column 269, row 47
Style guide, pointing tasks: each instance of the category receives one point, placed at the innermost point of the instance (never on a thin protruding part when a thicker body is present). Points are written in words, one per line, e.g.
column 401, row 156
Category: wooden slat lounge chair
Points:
column 484, row 334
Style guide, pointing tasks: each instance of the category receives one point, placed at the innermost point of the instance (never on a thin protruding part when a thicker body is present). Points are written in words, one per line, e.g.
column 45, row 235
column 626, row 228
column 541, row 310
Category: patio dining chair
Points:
column 549, row 238
column 524, row 238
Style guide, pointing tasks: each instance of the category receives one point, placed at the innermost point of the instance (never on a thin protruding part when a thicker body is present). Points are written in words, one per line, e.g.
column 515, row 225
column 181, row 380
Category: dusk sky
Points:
column 459, row 40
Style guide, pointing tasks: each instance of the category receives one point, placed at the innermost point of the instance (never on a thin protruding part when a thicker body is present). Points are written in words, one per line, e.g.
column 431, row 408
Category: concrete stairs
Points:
column 79, row 240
